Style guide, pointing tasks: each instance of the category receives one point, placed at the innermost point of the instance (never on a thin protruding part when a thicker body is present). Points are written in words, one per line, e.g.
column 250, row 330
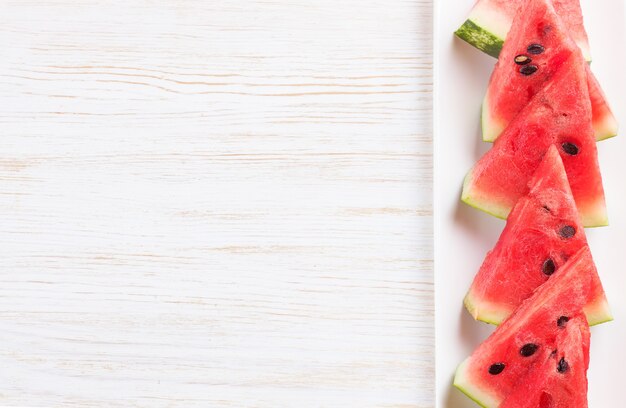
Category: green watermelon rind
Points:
column 480, row 38
column 596, row 218
column 481, row 397
column 608, row 129
column 466, row 197
column 597, row 313
column 488, row 312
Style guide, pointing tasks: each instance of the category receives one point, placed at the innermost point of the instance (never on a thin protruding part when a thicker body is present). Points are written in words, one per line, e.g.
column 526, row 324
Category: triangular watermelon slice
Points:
column 560, row 380
column 559, row 114
column 541, row 233
column 489, row 22
column 498, row 365
column 536, row 47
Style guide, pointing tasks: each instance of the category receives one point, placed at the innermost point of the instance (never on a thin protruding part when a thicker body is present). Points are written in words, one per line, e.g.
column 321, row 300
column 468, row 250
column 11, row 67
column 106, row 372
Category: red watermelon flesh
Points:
column 489, row 22
column 542, row 232
column 492, row 372
column 536, row 47
column 559, row 114
column 559, row 380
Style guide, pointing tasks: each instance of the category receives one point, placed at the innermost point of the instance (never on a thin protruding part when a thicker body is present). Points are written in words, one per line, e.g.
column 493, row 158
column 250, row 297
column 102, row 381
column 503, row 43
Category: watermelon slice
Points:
column 604, row 122
column 559, row 114
column 560, row 379
column 489, row 22
column 520, row 344
column 536, row 47
column 532, row 248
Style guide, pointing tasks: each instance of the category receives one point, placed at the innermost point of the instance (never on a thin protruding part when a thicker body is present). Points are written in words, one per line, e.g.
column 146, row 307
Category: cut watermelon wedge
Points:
column 560, row 380
column 498, row 365
column 559, row 114
column 536, row 47
column 532, row 248
column 604, row 122
column 489, row 22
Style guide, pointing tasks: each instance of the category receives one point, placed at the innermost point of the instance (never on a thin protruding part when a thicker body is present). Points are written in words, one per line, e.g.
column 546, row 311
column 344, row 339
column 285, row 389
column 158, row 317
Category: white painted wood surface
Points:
column 216, row 203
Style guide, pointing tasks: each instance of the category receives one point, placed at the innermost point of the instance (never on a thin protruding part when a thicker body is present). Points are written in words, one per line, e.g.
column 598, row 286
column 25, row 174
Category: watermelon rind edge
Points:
column 597, row 313
column 462, row 383
column 591, row 219
column 466, row 197
column 596, row 216
column 478, row 37
column 608, row 129
column 482, row 316
column 491, row 130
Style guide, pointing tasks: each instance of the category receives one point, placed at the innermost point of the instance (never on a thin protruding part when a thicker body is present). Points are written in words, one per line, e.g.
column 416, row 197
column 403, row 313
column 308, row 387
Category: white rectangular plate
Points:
column 463, row 235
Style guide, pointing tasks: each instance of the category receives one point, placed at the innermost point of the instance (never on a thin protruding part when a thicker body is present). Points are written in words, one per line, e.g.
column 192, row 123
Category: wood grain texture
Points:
column 216, row 203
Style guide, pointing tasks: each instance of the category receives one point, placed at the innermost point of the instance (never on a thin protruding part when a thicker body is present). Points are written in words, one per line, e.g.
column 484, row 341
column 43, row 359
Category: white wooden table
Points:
column 218, row 203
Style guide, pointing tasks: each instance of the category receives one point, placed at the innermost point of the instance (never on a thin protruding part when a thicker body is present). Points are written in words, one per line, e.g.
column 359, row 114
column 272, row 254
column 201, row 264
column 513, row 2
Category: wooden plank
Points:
column 216, row 203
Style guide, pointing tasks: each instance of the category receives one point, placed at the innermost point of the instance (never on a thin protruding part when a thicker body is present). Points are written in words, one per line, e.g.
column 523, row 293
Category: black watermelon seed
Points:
column 528, row 349
column 567, row 231
column 563, row 365
column 545, row 207
column 548, row 267
column 496, row 368
column 522, row 59
column 528, row 69
column 570, row 148
column 535, row 49
column 562, row 321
